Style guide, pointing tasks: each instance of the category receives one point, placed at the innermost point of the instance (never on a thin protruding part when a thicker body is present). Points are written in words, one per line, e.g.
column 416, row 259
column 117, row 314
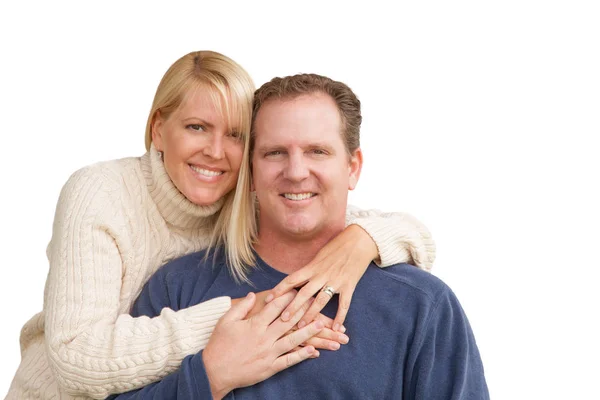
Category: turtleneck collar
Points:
column 174, row 207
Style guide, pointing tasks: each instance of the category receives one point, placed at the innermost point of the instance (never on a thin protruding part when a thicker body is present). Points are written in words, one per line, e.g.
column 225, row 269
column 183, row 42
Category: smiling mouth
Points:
column 206, row 172
column 298, row 196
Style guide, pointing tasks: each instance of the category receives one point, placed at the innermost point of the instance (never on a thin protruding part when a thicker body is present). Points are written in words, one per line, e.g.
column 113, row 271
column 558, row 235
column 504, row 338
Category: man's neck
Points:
column 288, row 254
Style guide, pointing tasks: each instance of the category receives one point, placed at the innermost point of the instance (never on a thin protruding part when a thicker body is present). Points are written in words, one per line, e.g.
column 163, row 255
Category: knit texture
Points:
column 398, row 236
column 116, row 222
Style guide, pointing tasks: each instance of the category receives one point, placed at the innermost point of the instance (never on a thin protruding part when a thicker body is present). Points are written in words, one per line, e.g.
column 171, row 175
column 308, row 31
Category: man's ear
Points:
column 354, row 168
column 157, row 127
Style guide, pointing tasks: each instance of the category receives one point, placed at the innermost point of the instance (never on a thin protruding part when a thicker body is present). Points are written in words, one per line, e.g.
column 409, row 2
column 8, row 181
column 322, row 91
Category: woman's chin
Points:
column 204, row 202
column 206, row 197
column 203, row 199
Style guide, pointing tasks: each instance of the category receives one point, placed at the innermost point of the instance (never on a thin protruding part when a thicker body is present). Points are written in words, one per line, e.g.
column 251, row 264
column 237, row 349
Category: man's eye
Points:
column 196, row 127
column 319, row 152
column 273, row 153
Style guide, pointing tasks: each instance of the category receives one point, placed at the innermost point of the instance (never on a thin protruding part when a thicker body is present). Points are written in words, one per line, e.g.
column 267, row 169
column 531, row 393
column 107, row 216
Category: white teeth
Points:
column 206, row 172
column 298, row 196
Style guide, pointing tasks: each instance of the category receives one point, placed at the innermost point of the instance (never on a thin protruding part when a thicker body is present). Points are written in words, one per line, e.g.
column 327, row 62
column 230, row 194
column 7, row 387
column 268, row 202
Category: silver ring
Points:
column 328, row 290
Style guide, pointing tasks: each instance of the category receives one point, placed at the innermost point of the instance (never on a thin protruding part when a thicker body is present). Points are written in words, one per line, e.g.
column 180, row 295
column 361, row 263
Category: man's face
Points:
column 301, row 169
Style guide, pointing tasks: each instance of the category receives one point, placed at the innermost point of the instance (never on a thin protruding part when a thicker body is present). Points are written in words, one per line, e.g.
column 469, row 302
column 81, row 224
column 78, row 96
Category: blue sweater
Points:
column 409, row 338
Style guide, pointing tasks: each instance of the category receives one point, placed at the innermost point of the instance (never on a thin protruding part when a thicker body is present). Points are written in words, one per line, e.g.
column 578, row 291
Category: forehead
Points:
column 301, row 120
column 208, row 104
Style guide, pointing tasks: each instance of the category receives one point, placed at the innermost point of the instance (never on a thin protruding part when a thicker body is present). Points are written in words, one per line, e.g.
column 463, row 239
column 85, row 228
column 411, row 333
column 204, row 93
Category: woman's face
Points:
column 201, row 153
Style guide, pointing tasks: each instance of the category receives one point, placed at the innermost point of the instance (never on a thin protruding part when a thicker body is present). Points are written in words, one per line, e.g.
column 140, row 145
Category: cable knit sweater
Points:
column 116, row 222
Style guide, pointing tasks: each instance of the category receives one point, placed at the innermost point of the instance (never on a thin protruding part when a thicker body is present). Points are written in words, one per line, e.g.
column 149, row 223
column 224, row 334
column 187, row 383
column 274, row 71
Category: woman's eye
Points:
column 234, row 135
column 273, row 153
column 196, row 127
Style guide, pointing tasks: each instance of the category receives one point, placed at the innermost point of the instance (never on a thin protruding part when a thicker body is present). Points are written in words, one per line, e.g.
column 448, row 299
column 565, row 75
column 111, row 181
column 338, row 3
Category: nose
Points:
column 214, row 147
column 296, row 169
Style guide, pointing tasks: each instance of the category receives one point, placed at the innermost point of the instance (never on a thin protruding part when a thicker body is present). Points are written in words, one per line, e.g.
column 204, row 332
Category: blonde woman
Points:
column 116, row 222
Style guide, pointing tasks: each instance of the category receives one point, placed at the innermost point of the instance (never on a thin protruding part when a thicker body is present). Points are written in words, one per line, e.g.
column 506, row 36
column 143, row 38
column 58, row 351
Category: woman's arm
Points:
column 94, row 347
column 242, row 351
column 391, row 237
column 399, row 237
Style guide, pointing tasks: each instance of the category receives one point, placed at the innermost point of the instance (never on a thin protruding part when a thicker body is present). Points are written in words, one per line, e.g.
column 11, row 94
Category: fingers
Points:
column 289, row 282
column 332, row 335
column 324, row 344
column 328, row 322
column 279, row 328
column 272, row 310
column 294, row 357
column 301, row 298
column 241, row 309
column 320, row 302
column 345, row 299
column 296, row 338
column 328, row 340
column 315, row 353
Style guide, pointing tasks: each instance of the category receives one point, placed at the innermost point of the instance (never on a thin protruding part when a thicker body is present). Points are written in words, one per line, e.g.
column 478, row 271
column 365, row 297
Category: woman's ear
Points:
column 157, row 127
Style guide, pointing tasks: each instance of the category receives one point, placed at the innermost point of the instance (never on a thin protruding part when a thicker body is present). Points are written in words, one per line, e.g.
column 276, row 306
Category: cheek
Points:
column 263, row 176
column 333, row 176
column 175, row 145
column 235, row 154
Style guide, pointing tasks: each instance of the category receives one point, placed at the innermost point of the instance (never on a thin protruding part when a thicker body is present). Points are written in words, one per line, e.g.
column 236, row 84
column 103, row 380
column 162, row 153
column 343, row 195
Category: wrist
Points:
column 218, row 388
column 366, row 242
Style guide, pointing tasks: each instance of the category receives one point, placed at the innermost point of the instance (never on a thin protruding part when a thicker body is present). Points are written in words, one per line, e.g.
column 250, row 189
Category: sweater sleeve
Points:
column 444, row 361
column 189, row 382
column 94, row 349
column 399, row 237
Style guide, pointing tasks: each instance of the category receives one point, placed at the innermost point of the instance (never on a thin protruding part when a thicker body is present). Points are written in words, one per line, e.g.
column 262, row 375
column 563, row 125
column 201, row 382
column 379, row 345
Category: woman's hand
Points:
column 339, row 265
column 242, row 352
column 327, row 339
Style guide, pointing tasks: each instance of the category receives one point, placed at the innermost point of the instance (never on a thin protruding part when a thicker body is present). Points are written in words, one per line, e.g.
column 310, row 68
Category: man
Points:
column 410, row 337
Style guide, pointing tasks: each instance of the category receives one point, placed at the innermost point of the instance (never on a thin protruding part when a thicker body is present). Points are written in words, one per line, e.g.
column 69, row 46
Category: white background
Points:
column 480, row 118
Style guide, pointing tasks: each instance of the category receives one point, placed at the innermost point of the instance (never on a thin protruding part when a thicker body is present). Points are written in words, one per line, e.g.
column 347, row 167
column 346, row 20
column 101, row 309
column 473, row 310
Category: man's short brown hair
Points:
column 294, row 86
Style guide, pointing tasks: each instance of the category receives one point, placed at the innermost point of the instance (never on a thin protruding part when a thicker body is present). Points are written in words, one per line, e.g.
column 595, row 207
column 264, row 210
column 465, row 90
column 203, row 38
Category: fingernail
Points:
column 343, row 329
column 336, row 327
column 319, row 324
column 301, row 324
column 343, row 338
column 334, row 346
column 316, row 353
column 269, row 298
column 249, row 295
column 285, row 316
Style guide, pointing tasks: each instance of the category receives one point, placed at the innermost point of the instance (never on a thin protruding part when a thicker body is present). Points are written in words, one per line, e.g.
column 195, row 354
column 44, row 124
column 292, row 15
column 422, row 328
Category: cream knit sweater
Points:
column 117, row 222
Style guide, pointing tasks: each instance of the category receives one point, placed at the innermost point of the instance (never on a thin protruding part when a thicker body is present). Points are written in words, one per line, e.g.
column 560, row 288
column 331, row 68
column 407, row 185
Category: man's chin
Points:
column 299, row 231
column 298, row 226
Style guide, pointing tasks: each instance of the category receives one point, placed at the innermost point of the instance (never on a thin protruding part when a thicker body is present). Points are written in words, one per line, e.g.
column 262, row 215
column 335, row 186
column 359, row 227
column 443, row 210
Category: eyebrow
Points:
column 271, row 147
column 267, row 147
column 325, row 146
column 201, row 121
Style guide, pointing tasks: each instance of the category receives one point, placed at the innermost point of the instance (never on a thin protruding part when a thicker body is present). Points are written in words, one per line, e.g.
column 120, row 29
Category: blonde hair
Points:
column 232, row 90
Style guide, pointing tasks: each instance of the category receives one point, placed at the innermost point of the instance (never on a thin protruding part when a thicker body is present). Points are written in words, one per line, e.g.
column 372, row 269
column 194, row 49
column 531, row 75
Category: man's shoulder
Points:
column 405, row 278
column 193, row 264
column 185, row 280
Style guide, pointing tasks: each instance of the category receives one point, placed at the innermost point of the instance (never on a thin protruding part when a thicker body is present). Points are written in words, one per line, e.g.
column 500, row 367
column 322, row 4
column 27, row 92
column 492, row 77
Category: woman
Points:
column 116, row 222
